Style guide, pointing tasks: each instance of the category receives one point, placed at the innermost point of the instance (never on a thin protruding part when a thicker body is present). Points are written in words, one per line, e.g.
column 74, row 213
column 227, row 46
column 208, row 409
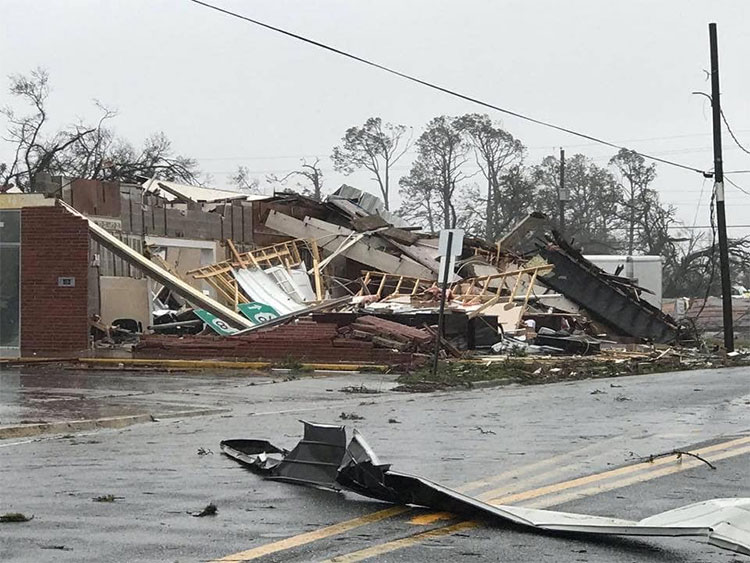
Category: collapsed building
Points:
column 168, row 270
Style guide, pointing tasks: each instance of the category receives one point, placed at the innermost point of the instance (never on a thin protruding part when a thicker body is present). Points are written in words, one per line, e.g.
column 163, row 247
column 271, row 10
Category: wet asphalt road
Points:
column 524, row 445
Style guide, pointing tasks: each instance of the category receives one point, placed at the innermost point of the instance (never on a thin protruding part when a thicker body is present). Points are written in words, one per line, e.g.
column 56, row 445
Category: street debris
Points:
column 11, row 517
column 205, row 451
column 678, row 454
column 359, row 389
column 350, row 416
column 323, row 459
column 209, row 510
column 106, row 498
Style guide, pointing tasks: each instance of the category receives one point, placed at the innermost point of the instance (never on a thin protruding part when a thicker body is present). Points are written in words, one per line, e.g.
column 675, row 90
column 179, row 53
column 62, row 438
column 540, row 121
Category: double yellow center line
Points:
column 553, row 494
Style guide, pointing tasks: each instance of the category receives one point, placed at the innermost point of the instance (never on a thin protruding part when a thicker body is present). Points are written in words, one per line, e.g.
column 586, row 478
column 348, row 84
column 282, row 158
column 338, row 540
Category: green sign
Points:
column 258, row 313
column 219, row 327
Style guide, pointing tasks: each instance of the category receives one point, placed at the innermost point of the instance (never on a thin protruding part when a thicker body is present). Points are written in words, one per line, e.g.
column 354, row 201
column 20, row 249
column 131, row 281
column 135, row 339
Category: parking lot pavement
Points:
column 521, row 445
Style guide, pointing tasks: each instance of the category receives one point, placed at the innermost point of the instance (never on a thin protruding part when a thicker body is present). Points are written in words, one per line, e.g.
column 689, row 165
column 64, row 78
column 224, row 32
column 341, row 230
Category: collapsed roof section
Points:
column 176, row 192
column 611, row 300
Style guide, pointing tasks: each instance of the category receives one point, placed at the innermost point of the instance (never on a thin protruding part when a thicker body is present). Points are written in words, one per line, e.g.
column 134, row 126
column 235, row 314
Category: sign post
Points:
column 450, row 245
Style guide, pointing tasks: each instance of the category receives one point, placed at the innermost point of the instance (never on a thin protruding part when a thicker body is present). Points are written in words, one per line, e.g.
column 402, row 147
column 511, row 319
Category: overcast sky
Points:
column 230, row 93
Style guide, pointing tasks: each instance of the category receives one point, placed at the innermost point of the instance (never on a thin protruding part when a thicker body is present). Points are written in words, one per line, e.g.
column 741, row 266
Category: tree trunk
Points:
column 489, row 228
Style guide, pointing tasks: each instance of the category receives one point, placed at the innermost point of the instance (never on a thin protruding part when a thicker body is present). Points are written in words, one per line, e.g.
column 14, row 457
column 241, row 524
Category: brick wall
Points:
column 54, row 319
column 304, row 341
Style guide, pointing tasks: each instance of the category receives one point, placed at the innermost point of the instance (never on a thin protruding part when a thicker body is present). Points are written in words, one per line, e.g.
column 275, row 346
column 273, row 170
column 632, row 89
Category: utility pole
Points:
column 562, row 195
column 726, row 289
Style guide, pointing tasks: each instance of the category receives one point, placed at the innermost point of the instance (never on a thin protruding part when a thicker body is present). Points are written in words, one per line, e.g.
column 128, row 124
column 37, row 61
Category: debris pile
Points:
column 369, row 283
column 388, row 334
column 303, row 340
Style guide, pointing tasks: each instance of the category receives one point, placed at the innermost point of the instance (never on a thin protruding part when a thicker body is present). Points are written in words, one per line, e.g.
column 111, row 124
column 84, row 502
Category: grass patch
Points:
column 531, row 372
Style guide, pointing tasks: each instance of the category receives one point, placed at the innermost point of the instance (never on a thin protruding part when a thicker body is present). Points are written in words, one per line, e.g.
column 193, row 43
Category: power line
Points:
column 437, row 87
column 731, row 133
column 743, row 190
column 700, row 227
column 535, row 148
column 698, row 205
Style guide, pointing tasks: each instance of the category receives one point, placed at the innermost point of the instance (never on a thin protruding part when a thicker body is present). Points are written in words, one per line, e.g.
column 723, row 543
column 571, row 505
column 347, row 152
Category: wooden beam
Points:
column 236, row 254
column 316, row 269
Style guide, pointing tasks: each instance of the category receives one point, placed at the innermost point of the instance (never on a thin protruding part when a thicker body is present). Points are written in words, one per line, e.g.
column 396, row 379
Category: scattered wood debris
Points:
column 10, row 517
column 209, row 510
column 363, row 389
column 107, row 498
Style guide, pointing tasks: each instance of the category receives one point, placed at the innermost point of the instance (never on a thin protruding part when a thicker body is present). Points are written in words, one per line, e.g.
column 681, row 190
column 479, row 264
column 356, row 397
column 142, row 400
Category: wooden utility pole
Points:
column 726, row 286
column 562, row 195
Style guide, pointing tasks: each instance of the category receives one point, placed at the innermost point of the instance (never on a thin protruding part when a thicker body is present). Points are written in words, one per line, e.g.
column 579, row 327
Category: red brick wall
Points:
column 54, row 244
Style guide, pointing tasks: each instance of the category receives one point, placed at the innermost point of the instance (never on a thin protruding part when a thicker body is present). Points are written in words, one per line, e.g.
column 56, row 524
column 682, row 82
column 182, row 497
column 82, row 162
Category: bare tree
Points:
column 495, row 151
column 374, row 146
column 312, row 173
column 80, row 150
column 243, row 182
column 33, row 152
column 691, row 270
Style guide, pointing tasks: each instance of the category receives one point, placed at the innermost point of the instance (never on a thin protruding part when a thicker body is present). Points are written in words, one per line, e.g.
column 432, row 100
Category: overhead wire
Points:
column 712, row 258
column 438, row 87
column 698, row 205
column 743, row 190
column 731, row 133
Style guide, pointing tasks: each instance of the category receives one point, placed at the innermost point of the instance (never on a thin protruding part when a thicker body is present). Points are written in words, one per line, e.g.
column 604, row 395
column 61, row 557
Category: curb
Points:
column 67, row 426
column 224, row 364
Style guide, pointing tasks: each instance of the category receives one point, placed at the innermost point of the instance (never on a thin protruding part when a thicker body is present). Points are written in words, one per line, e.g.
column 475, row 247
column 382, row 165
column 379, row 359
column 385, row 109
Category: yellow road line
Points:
column 556, row 487
column 640, row 477
column 430, row 518
column 328, row 531
column 683, row 465
column 321, row 533
column 402, row 543
column 511, row 483
column 473, row 485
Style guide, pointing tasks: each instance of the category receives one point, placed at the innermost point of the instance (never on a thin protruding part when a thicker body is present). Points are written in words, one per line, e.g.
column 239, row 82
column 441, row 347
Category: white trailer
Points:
column 645, row 271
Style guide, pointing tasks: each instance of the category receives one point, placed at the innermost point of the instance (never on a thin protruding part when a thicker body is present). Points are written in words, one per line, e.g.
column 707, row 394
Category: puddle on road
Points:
column 55, row 394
